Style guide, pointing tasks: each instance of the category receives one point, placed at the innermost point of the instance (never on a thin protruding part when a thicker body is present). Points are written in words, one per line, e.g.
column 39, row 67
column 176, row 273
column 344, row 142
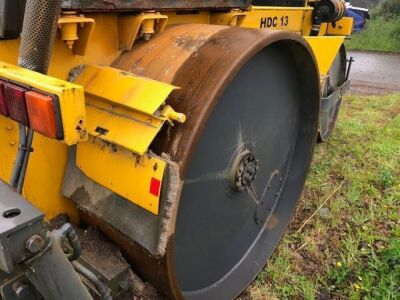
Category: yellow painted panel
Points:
column 130, row 133
column 125, row 89
column 323, row 29
column 122, row 172
column 70, row 96
column 342, row 27
column 8, row 146
column 201, row 17
column 325, row 50
column 45, row 176
column 307, row 22
column 233, row 18
column 283, row 18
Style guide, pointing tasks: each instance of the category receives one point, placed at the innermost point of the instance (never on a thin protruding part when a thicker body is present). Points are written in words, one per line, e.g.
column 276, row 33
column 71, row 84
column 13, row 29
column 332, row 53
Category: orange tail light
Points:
column 43, row 112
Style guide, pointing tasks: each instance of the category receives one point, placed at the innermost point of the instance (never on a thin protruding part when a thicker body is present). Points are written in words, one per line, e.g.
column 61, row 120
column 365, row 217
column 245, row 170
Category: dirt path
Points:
column 374, row 73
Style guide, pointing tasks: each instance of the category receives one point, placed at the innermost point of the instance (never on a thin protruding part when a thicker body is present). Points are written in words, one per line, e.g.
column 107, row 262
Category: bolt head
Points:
column 35, row 243
column 244, row 171
column 20, row 289
column 83, row 134
column 124, row 285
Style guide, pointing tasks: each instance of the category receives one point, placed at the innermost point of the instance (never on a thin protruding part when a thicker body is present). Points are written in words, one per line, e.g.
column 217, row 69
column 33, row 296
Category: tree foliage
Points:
column 387, row 9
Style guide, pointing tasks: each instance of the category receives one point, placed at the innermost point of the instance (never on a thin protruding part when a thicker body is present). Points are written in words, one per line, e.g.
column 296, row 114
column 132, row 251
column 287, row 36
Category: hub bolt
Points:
column 35, row 243
column 244, row 171
column 20, row 289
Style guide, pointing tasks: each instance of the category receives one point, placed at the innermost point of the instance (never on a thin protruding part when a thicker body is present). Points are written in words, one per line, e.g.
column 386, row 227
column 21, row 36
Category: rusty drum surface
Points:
column 252, row 101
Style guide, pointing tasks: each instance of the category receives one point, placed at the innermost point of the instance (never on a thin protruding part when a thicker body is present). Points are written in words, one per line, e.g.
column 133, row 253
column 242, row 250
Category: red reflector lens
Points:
column 3, row 103
column 15, row 99
column 155, row 185
column 42, row 115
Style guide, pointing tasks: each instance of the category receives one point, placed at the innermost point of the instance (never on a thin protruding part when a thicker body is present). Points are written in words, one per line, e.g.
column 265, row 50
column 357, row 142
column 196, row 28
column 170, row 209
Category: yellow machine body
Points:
column 297, row 19
column 342, row 27
column 326, row 49
column 128, row 115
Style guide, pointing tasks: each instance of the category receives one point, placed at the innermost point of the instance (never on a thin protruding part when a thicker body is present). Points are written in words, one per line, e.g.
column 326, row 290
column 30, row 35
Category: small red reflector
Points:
column 3, row 103
column 42, row 115
column 155, row 185
column 15, row 98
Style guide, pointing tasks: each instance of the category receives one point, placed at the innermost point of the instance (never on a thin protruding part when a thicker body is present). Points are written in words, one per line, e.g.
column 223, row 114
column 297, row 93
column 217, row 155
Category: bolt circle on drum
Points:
column 244, row 171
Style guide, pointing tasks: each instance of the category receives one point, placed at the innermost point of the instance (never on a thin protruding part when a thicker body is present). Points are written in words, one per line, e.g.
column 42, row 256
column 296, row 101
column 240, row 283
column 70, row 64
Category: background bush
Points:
column 387, row 9
column 382, row 31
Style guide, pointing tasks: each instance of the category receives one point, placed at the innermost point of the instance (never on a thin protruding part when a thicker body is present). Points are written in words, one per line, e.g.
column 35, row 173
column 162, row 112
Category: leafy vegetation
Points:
column 379, row 35
column 382, row 32
column 344, row 242
column 387, row 9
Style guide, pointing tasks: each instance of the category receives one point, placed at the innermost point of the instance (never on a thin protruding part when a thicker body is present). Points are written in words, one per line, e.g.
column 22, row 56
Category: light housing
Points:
column 3, row 103
column 35, row 109
column 15, row 99
column 69, row 100
column 43, row 111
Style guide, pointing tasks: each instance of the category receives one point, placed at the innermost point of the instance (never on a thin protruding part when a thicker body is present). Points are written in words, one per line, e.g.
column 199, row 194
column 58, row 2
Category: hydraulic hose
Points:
column 27, row 151
column 52, row 274
column 103, row 290
column 69, row 233
column 20, row 156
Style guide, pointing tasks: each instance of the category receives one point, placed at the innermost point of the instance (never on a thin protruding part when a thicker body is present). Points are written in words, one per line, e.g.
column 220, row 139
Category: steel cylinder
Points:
column 224, row 72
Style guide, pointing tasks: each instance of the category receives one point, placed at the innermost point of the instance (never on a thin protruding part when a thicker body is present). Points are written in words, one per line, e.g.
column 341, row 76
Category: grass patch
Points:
column 380, row 34
column 354, row 251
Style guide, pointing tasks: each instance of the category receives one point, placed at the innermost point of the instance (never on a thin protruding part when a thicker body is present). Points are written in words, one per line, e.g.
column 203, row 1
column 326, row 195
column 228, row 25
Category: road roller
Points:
column 165, row 142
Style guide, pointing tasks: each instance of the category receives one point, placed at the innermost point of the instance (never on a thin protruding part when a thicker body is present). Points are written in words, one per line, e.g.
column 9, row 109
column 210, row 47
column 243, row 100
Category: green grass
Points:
column 355, row 252
column 380, row 35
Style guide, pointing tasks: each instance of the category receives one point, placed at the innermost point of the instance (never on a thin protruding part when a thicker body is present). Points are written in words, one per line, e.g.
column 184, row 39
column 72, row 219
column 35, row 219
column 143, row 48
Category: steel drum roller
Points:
column 252, row 102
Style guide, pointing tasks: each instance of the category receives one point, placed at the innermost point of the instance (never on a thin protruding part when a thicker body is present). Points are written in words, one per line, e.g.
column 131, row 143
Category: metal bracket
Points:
column 132, row 27
column 328, row 102
column 233, row 18
column 75, row 31
column 131, row 113
column 19, row 221
column 27, row 247
column 350, row 63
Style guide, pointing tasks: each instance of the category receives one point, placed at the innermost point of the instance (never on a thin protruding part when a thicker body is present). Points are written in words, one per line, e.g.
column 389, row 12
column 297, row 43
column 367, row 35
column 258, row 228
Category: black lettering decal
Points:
column 275, row 21
column 263, row 23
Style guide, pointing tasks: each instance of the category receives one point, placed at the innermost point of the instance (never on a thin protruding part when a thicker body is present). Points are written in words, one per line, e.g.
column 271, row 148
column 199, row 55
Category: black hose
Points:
column 24, row 166
column 20, row 156
column 103, row 289
column 69, row 233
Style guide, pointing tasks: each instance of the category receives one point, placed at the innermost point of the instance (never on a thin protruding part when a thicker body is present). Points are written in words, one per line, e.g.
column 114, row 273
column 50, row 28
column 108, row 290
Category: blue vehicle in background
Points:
column 359, row 14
